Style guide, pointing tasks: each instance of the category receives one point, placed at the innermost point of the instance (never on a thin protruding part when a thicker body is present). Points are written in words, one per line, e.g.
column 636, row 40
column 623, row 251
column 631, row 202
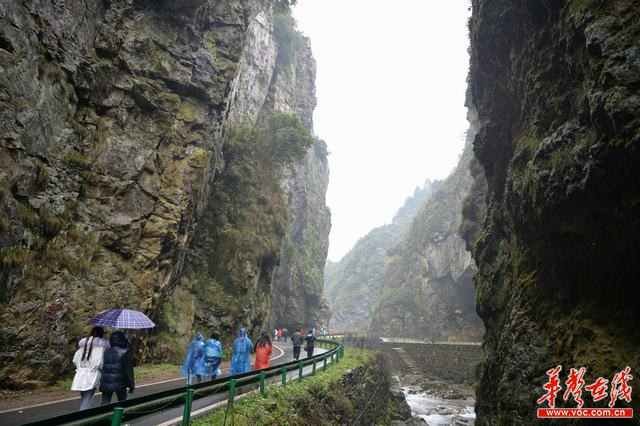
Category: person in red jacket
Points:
column 263, row 351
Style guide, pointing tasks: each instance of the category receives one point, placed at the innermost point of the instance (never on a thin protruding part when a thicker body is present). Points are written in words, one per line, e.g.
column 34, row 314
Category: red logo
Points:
column 620, row 390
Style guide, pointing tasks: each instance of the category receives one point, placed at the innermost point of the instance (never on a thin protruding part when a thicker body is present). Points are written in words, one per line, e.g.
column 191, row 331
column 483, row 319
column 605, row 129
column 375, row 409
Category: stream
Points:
column 439, row 411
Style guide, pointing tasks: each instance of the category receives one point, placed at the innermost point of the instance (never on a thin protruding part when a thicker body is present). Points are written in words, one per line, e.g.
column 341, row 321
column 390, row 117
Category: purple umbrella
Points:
column 123, row 318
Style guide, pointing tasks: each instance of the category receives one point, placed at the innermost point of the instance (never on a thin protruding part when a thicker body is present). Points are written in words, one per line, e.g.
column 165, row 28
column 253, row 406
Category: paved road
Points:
column 283, row 353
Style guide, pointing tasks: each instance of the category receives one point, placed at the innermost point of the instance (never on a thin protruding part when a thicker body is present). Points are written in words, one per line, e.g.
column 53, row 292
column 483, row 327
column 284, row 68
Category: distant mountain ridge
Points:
column 352, row 284
column 428, row 288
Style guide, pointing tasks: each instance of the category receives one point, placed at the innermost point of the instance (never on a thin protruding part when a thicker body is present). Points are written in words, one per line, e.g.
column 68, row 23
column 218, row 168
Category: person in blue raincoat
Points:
column 212, row 355
column 241, row 363
column 193, row 363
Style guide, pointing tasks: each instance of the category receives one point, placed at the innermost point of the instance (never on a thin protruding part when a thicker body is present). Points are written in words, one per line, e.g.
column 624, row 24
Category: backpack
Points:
column 211, row 356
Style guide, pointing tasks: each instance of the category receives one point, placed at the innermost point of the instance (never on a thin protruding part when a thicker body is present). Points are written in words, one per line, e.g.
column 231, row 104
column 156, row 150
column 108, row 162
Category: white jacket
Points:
column 88, row 371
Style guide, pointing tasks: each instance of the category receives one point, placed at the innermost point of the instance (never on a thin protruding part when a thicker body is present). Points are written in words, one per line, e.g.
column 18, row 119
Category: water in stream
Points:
column 439, row 411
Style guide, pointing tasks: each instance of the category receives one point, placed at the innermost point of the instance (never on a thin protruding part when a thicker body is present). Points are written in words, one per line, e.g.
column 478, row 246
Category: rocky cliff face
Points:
column 255, row 264
column 113, row 118
column 556, row 89
column 298, row 300
column 428, row 287
column 353, row 284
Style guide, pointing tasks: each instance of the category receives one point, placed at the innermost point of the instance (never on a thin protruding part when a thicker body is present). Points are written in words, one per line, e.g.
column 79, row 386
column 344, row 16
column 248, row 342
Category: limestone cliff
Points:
column 254, row 260
column 114, row 117
column 556, row 89
column 428, row 288
column 298, row 300
column 353, row 284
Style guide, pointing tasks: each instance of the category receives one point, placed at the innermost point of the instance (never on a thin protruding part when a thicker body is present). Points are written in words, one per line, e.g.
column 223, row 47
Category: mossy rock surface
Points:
column 555, row 89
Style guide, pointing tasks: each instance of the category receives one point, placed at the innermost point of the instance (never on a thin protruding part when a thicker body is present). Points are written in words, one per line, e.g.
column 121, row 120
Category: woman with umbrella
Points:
column 241, row 363
column 117, row 366
column 194, row 362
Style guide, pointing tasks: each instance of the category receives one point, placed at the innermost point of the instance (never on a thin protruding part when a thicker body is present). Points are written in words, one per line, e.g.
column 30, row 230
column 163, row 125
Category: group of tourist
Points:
column 281, row 334
column 299, row 338
column 104, row 365
column 108, row 365
column 203, row 358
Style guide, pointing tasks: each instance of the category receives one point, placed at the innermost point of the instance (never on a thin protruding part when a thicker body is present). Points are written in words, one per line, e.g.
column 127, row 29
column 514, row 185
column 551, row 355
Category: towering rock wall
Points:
column 226, row 286
column 353, row 284
column 113, row 116
column 298, row 300
column 556, row 89
column 428, row 288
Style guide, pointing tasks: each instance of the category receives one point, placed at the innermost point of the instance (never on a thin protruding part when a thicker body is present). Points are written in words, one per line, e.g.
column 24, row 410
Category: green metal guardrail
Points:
column 115, row 413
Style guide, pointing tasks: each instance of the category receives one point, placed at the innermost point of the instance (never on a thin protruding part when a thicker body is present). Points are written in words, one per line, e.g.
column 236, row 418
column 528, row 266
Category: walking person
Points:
column 297, row 339
column 285, row 334
column 88, row 361
column 194, row 362
column 275, row 334
column 311, row 343
column 279, row 335
column 117, row 369
column 212, row 355
column 241, row 362
column 263, row 351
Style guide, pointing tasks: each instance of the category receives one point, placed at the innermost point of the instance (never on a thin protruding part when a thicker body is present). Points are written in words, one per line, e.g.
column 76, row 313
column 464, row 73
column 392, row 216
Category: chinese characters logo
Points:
column 620, row 389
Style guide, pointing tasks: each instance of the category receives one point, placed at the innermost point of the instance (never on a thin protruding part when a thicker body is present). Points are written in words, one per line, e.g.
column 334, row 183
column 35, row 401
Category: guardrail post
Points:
column 262, row 382
column 116, row 417
column 300, row 368
column 232, row 390
column 313, row 368
column 324, row 362
column 186, row 415
column 284, row 376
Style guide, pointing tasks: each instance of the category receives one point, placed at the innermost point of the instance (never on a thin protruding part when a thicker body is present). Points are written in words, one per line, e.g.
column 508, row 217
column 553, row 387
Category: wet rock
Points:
column 555, row 90
column 452, row 394
column 413, row 421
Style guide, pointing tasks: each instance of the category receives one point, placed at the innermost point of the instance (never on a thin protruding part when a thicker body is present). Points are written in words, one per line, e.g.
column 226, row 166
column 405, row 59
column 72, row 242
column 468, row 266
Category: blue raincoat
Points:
column 212, row 357
column 194, row 360
column 241, row 363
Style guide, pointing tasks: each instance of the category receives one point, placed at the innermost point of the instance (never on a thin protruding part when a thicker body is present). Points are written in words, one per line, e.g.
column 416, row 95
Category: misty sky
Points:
column 390, row 87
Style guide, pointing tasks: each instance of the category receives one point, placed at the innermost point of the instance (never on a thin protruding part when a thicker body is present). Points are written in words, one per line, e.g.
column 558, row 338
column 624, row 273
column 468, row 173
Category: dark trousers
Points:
column 310, row 351
column 296, row 352
column 120, row 393
column 213, row 366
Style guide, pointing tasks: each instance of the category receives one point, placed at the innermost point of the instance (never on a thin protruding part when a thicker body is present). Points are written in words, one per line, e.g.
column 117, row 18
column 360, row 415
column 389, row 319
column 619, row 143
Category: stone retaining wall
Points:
column 446, row 361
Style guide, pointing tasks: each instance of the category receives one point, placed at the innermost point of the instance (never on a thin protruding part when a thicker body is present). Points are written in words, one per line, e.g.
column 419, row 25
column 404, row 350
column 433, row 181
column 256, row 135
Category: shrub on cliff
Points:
column 250, row 213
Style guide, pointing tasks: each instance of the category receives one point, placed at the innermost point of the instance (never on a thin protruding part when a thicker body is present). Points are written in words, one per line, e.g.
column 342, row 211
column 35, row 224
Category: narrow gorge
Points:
column 166, row 157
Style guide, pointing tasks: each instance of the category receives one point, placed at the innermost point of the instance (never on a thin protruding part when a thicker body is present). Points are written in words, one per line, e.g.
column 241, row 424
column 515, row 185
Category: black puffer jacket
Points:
column 117, row 365
column 311, row 341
